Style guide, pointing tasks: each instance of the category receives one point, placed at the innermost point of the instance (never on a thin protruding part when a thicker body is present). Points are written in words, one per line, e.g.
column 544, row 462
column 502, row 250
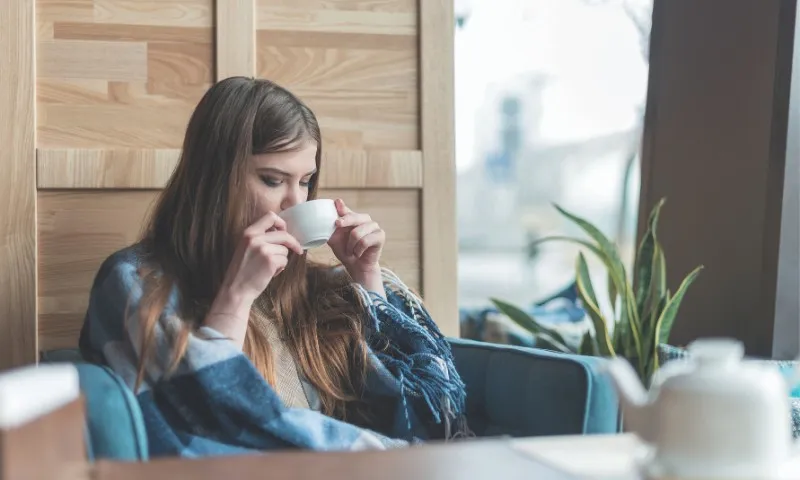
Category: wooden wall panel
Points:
column 17, row 185
column 79, row 229
column 354, row 62
column 121, row 73
column 118, row 79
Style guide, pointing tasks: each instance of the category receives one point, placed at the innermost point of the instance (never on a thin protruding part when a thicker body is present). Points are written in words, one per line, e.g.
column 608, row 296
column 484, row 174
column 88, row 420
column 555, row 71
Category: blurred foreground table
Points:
column 476, row 459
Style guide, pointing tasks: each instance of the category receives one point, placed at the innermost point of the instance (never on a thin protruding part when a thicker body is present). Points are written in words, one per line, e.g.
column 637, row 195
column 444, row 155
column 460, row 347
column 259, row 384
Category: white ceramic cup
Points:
column 312, row 223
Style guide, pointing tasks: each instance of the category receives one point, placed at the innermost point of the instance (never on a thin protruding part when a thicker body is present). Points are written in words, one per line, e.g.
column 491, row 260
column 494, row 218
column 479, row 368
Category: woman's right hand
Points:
column 262, row 253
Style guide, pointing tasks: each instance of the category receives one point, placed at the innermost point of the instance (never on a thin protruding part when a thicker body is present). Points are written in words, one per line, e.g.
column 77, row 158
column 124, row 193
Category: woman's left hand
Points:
column 357, row 243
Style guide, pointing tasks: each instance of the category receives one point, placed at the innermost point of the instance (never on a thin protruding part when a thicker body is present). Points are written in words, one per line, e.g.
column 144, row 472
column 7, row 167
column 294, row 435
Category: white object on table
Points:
column 30, row 392
column 606, row 457
column 712, row 416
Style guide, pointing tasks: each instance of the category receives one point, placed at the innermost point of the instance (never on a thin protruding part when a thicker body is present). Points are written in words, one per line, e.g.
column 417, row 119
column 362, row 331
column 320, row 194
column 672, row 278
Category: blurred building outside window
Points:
column 549, row 98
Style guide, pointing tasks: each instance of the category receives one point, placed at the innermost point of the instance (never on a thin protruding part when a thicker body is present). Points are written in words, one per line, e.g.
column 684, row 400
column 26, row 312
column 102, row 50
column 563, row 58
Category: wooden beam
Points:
column 150, row 169
column 439, row 242
column 714, row 145
column 236, row 38
column 17, row 184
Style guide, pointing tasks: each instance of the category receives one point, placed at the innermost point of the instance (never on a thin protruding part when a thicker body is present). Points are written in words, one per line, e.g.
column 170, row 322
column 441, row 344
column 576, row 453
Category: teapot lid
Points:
column 716, row 351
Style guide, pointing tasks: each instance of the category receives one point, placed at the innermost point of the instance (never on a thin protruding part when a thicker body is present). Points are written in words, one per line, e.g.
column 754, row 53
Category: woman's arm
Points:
column 229, row 315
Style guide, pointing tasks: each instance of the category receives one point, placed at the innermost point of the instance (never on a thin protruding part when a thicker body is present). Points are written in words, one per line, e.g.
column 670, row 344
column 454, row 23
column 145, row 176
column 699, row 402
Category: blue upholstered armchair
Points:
column 513, row 391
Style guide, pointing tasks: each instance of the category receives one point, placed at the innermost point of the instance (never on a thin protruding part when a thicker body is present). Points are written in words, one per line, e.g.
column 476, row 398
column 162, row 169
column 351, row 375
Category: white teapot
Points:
column 713, row 416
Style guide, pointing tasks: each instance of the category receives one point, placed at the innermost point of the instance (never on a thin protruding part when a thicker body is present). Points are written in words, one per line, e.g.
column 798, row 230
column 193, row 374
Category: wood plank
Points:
column 236, row 38
column 18, row 343
column 439, row 241
column 372, row 169
column 79, row 229
column 130, row 33
column 363, row 110
column 64, row 10
column 334, row 67
column 44, row 30
column 165, row 13
column 159, row 123
column 305, row 18
column 110, row 136
column 283, row 38
column 151, row 168
column 398, row 6
column 84, row 168
column 179, row 63
column 76, row 91
column 123, row 61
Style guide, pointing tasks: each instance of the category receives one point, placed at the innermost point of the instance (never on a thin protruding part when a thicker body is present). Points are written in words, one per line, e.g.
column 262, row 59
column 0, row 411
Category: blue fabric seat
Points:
column 514, row 391
column 521, row 391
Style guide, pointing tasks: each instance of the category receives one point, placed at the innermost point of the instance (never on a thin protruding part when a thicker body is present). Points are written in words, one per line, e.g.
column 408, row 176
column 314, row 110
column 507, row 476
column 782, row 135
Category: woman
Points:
column 232, row 339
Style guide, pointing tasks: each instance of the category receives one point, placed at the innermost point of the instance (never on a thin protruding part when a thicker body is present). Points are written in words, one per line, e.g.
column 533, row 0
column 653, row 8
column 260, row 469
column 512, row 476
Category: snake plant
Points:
column 643, row 309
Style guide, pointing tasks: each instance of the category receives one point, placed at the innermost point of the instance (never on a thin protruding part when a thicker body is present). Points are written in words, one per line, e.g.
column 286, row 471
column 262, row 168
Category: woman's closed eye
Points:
column 276, row 182
column 271, row 181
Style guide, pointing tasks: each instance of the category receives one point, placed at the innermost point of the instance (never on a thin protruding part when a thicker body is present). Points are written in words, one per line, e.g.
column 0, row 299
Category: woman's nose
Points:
column 294, row 196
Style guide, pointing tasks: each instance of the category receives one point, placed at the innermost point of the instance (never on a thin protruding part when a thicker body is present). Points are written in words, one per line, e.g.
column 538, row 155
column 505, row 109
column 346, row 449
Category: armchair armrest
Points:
column 521, row 391
column 113, row 419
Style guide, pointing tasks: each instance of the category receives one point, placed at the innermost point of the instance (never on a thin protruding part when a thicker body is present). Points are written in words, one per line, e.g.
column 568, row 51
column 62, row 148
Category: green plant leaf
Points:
column 547, row 342
column 613, row 279
column 667, row 317
column 651, row 338
column 611, row 259
column 561, row 238
column 656, row 313
column 655, row 295
column 645, row 259
column 588, row 345
column 526, row 321
column 613, row 294
column 586, row 292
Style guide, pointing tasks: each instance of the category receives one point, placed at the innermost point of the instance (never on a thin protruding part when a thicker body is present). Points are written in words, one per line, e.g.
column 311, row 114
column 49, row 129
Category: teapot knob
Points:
column 716, row 351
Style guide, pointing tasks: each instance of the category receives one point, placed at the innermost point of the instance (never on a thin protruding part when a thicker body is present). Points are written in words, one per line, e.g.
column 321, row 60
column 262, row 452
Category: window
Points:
column 550, row 97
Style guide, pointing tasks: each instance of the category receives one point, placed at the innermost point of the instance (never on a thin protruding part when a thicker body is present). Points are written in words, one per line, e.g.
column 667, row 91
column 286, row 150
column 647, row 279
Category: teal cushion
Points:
column 787, row 368
column 114, row 421
column 667, row 353
column 519, row 391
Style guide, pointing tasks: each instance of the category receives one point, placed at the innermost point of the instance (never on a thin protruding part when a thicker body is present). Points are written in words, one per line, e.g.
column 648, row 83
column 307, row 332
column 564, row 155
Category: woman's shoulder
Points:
column 121, row 268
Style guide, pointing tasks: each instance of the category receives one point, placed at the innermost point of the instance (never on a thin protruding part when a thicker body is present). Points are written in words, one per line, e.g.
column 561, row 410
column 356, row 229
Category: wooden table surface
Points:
column 578, row 457
column 467, row 460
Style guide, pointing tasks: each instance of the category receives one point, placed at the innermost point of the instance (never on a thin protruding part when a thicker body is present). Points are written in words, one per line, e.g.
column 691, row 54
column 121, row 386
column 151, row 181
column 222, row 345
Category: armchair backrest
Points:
column 522, row 392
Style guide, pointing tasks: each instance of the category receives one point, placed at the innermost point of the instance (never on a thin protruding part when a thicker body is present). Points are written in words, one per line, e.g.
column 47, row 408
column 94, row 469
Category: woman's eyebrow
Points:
column 283, row 173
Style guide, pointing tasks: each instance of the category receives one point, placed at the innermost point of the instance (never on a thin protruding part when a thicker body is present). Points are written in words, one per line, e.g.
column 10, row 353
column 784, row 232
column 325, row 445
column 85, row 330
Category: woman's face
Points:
column 281, row 180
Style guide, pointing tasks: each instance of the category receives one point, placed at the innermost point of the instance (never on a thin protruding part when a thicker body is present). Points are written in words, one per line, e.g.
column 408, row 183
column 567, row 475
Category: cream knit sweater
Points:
column 290, row 386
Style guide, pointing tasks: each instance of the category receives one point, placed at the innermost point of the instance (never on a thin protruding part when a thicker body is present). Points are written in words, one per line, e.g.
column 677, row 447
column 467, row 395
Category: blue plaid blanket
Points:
column 216, row 403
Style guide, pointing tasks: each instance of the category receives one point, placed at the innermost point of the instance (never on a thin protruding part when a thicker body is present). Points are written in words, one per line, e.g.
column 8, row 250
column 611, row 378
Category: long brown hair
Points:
column 199, row 218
